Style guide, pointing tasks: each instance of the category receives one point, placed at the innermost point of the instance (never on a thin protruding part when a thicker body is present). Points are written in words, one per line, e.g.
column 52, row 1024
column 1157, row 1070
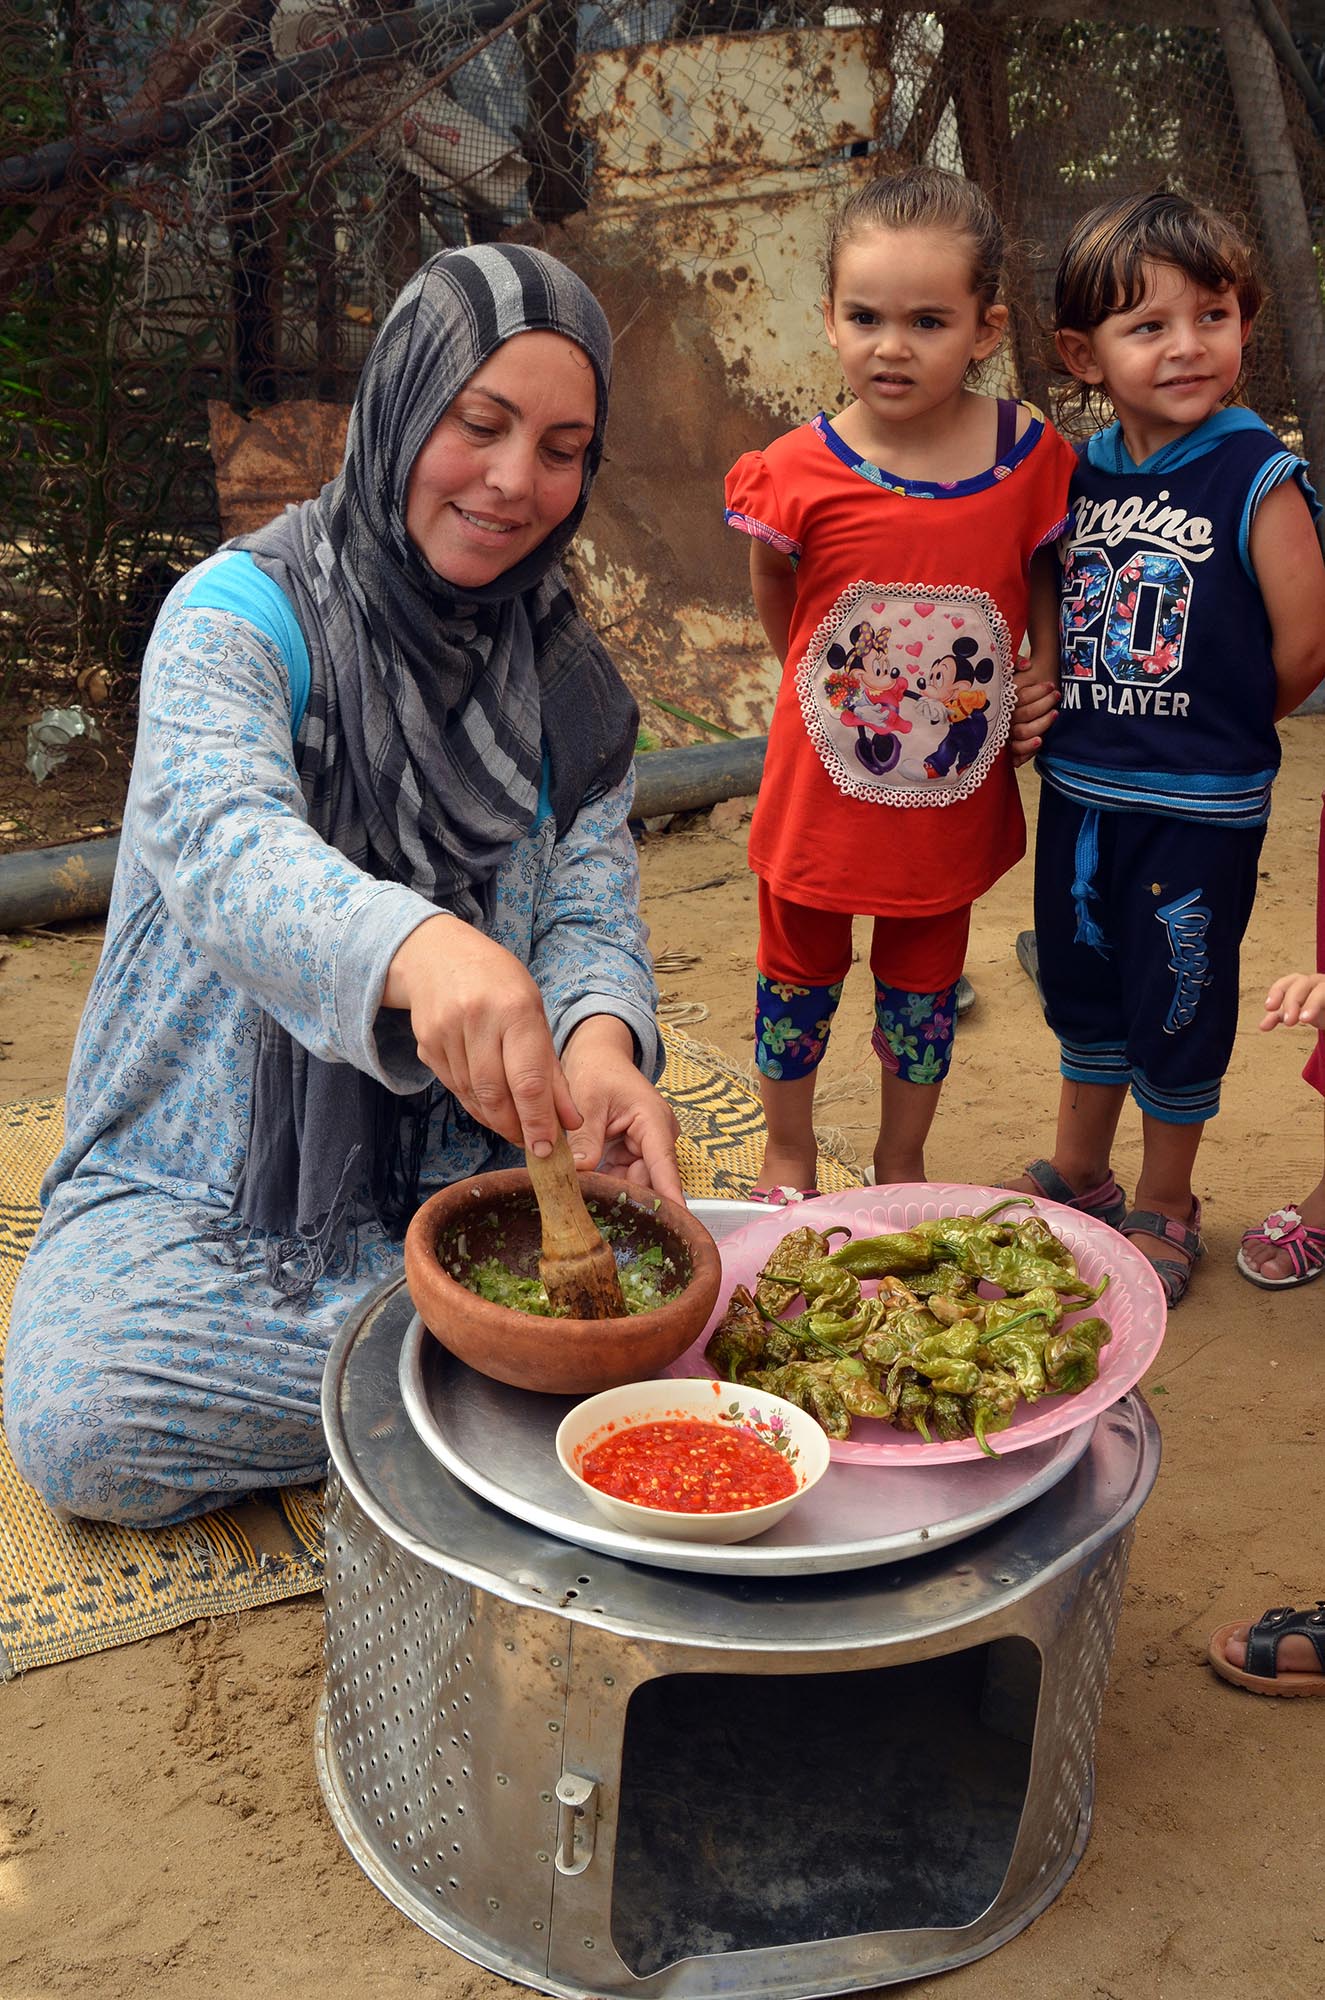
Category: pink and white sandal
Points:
column 1302, row 1245
column 781, row 1197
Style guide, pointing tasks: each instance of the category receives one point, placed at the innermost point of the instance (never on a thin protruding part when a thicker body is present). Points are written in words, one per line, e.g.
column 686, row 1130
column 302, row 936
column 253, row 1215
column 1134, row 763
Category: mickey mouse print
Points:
column 907, row 691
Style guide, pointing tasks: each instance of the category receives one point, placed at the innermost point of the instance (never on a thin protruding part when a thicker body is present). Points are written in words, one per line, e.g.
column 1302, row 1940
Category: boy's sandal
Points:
column 781, row 1197
column 1174, row 1275
column 1261, row 1674
column 1302, row 1245
column 1107, row 1202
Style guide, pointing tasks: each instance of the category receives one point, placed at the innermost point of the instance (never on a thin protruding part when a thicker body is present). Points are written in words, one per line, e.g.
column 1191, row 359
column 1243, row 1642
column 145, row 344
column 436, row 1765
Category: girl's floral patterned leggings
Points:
column 804, row 956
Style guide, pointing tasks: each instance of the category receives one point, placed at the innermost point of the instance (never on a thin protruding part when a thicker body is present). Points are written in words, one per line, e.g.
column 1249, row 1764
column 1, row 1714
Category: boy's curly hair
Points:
column 1103, row 267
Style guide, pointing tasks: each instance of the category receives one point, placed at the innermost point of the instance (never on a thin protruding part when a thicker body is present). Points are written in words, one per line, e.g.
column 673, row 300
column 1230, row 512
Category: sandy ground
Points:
column 160, row 1826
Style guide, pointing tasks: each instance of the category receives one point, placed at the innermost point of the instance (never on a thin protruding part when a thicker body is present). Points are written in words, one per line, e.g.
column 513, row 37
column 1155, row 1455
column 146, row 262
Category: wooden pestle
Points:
column 576, row 1266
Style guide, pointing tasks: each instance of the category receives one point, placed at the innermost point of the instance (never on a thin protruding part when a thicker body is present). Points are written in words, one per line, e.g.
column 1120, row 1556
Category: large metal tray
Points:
column 500, row 1443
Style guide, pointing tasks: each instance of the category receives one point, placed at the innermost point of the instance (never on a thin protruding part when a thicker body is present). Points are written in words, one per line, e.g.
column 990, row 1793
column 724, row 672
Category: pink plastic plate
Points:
column 1133, row 1305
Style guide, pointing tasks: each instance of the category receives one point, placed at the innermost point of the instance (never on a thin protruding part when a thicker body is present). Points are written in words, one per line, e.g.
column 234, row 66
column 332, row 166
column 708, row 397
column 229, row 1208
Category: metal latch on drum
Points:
column 578, row 1799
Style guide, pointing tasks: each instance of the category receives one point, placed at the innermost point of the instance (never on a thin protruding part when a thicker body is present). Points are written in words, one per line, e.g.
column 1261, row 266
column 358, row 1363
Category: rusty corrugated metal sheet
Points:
column 715, row 162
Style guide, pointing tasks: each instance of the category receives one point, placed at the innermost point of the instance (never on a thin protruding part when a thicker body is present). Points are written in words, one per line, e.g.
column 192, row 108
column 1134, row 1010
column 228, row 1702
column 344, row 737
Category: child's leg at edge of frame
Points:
column 804, row 957
column 1088, row 1115
column 1182, row 937
column 1167, row 1159
column 1268, row 1260
column 1084, row 1005
column 916, row 962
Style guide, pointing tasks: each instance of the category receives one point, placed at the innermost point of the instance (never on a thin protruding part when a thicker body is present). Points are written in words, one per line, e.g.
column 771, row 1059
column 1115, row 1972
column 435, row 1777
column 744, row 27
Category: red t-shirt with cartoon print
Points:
column 887, row 787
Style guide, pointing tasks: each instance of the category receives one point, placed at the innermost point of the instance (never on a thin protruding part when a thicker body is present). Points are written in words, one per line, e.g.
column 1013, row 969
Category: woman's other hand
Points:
column 1296, row 1000
column 629, row 1127
column 479, row 1026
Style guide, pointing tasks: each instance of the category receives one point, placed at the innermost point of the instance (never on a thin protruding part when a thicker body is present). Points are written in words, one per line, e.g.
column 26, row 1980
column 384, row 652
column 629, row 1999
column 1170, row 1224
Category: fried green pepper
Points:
column 953, row 1235
column 1097, row 1331
column 738, row 1341
column 828, row 1288
column 806, row 1385
column 881, row 1349
column 948, row 1372
column 913, row 1324
column 782, row 1278
column 883, row 1256
column 1041, row 1307
column 949, row 1417
column 1072, row 1357
column 941, row 1238
column 1023, row 1355
column 1035, row 1235
column 849, row 1330
column 992, row 1407
column 951, row 1311
column 947, row 1279
column 1014, row 1269
column 959, row 1341
column 859, row 1390
column 926, row 1350
column 1070, row 1364
column 915, row 1405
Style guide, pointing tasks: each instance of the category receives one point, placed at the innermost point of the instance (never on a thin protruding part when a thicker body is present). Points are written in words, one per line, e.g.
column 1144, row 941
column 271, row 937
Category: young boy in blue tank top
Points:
column 1192, row 619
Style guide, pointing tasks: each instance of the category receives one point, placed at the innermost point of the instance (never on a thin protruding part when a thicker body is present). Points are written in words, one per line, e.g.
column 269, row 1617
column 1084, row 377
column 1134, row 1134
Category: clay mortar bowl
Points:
column 496, row 1215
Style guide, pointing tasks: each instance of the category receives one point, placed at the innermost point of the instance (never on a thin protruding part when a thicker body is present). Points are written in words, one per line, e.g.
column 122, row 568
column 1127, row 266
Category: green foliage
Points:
column 107, row 481
column 695, row 721
column 1124, row 106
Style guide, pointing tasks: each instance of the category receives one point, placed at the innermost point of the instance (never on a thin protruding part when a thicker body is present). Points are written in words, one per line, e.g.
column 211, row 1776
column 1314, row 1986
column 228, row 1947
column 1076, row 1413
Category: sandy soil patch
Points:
column 160, row 1825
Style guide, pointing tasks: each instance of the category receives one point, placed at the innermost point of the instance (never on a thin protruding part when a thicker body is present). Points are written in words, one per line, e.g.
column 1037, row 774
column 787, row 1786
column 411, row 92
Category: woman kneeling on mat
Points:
column 375, row 920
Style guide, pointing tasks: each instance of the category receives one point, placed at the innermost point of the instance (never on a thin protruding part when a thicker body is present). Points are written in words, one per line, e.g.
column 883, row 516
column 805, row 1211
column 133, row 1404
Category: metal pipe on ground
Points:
column 57, row 885
column 672, row 781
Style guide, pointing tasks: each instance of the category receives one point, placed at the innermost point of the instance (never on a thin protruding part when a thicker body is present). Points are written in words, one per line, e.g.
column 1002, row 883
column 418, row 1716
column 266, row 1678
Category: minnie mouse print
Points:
column 907, row 693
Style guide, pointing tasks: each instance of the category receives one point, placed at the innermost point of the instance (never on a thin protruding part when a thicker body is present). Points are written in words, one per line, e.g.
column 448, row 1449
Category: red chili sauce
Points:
column 689, row 1467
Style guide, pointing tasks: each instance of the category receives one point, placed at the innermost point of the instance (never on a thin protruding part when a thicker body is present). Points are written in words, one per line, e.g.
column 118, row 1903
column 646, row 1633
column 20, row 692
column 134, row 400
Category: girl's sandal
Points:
column 1107, row 1202
column 781, row 1197
column 1303, row 1246
column 1185, row 1237
column 1261, row 1674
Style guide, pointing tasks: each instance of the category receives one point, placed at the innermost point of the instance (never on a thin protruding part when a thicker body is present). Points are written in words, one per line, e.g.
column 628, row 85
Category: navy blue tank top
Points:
column 1168, row 684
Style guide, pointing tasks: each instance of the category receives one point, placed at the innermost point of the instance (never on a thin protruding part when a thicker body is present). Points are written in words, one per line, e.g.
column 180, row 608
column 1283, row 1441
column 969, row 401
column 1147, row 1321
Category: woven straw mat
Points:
column 72, row 1587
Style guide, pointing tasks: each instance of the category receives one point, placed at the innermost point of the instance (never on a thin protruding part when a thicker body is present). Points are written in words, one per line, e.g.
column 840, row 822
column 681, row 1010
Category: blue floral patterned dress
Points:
column 146, row 1379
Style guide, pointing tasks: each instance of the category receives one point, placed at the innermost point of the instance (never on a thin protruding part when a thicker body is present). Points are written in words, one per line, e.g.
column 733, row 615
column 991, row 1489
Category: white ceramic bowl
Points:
column 796, row 1436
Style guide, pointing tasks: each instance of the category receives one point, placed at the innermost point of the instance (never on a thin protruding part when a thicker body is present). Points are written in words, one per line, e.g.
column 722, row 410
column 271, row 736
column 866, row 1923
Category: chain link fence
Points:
column 205, row 210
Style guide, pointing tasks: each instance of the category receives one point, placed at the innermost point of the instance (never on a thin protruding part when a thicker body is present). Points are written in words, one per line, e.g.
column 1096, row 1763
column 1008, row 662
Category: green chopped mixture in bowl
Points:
column 647, row 1281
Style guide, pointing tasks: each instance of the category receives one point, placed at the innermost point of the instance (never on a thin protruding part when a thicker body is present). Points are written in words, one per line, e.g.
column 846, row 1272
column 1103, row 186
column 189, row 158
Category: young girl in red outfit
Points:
column 922, row 516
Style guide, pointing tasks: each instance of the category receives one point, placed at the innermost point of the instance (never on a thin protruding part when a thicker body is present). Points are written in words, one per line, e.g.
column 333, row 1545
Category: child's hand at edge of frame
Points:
column 1037, row 705
column 1296, row 1000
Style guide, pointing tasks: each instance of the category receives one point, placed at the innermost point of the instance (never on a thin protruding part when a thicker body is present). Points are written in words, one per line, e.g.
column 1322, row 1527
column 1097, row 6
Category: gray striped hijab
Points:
column 420, row 753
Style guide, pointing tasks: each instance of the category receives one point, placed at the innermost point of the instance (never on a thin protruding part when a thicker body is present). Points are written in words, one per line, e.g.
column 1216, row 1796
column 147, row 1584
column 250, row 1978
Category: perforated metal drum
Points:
column 601, row 1779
